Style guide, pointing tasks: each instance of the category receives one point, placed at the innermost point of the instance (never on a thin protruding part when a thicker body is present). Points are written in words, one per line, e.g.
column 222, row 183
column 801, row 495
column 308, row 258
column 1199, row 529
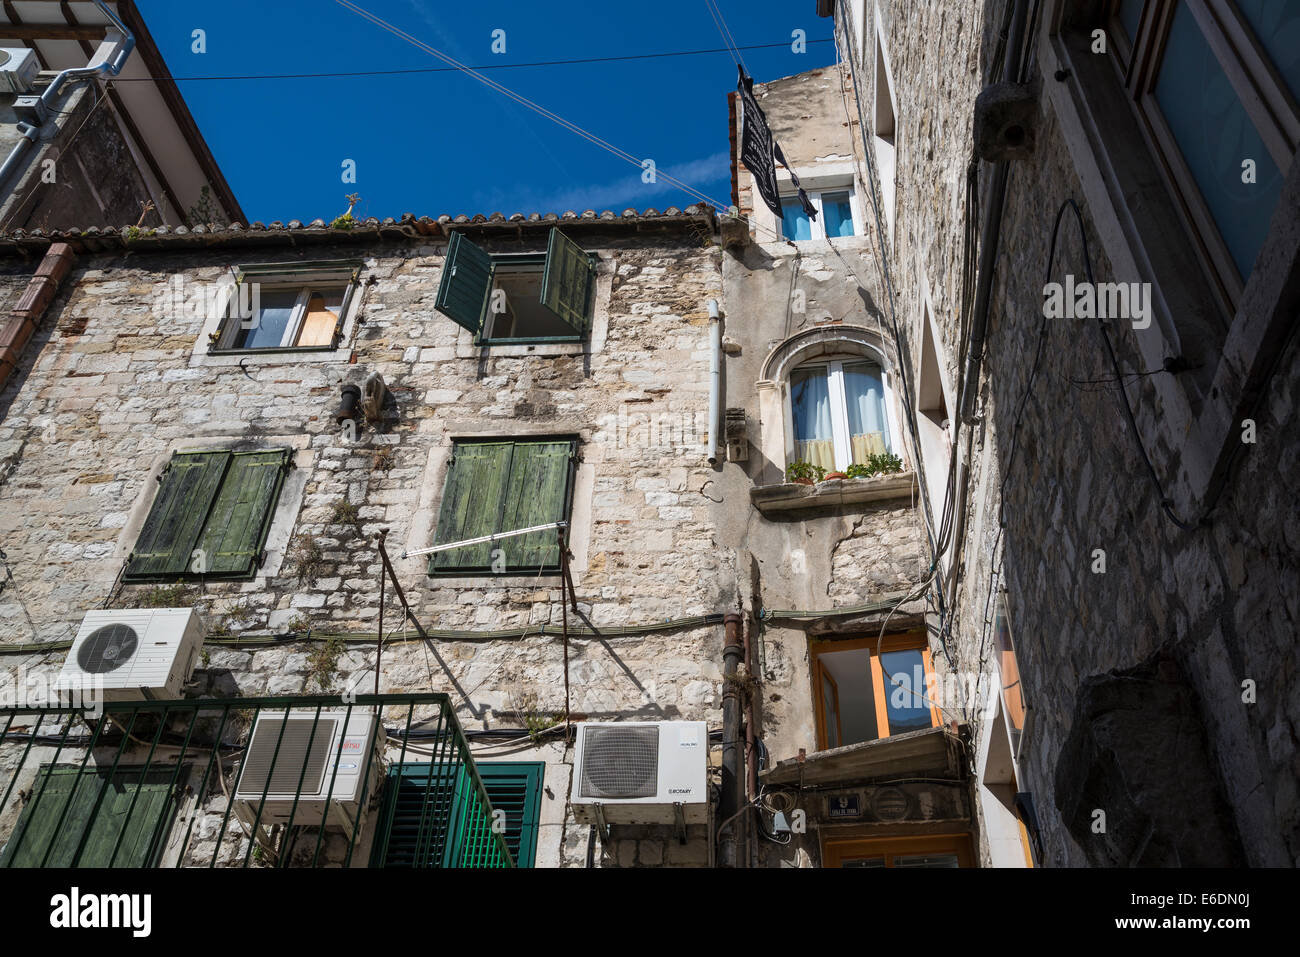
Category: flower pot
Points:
column 803, row 481
column 834, row 475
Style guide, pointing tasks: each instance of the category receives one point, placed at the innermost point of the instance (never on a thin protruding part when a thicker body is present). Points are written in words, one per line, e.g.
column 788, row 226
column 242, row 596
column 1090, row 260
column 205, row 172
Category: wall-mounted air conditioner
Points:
column 635, row 772
column 132, row 654
column 309, row 751
column 18, row 69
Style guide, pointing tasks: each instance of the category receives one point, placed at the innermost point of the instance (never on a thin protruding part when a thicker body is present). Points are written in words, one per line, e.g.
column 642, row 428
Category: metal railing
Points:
column 301, row 781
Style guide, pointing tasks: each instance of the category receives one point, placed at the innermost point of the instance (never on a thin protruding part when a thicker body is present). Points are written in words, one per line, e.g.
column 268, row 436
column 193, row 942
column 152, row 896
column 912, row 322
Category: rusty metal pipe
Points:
column 733, row 778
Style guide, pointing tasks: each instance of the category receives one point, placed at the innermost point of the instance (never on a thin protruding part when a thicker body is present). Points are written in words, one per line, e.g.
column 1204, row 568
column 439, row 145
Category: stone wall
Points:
column 110, row 387
column 1221, row 597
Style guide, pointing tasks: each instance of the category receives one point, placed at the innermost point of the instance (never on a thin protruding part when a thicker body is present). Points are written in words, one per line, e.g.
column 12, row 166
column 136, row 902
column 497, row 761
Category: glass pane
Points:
column 864, row 391
column 1215, row 135
column 270, row 322
column 837, row 214
column 321, row 317
column 1013, row 702
column 796, row 223
column 1130, row 15
column 830, row 713
column 1277, row 27
column 926, row 860
column 810, row 401
column 905, row 691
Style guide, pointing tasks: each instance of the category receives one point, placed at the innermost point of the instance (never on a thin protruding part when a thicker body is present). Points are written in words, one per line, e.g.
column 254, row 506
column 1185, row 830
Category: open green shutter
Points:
column 414, row 822
column 516, row 788
column 538, row 493
column 171, row 531
column 140, row 821
column 241, row 516
column 568, row 282
column 466, row 283
column 471, row 505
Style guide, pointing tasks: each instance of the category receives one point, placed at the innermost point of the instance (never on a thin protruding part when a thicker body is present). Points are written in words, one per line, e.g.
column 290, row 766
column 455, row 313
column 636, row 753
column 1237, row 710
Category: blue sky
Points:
column 433, row 143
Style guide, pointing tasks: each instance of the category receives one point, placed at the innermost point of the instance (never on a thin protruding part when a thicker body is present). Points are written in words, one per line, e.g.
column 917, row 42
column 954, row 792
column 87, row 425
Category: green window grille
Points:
column 422, row 822
column 568, row 283
column 217, row 503
column 500, row 486
column 121, row 818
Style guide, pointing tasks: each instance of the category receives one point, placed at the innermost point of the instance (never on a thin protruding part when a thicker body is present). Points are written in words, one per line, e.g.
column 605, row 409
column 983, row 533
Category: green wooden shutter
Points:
column 512, row 786
column 241, row 516
column 142, row 827
column 471, row 505
column 466, row 283
column 568, row 282
column 516, row 788
column 538, row 493
column 171, row 531
column 415, row 817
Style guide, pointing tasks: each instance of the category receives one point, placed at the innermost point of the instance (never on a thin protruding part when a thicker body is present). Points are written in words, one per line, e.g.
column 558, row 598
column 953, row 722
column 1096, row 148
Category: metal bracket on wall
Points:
column 601, row 823
column 679, row 812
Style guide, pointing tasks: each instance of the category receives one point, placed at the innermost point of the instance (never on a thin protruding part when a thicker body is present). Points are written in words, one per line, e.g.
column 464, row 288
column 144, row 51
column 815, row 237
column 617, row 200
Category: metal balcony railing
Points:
column 305, row 781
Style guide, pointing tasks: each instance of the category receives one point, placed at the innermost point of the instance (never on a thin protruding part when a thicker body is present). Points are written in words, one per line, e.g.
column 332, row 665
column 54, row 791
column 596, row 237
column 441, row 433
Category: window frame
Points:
column 835, row 850
column 1263, row 96
column 840, row 430
column 274, row 277
column 908, row 641
column 523, row 263
column 817, row 227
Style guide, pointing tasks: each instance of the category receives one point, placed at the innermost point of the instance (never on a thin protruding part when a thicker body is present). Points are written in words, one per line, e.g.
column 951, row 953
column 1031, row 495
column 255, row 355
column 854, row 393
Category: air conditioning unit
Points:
column 132, row 654
column 642, row 772
column 18, row 69
column 309, row 757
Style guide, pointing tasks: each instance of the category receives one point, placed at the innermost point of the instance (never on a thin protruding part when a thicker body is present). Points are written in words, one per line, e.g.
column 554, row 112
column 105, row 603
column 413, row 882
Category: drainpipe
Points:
column 715, row 374
column 751, row 752
column 110, row 67
column 733, row 775
column 989, row 233
column 26, row 315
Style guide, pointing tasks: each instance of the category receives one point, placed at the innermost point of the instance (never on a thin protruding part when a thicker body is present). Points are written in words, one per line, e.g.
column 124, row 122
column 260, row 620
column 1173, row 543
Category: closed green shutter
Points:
column 471, row 505
column 538, row 493
column 139, row 821
column 411, row 798
column 171, row 531
column 466, row 283
column 232, row 540
column 568, row 281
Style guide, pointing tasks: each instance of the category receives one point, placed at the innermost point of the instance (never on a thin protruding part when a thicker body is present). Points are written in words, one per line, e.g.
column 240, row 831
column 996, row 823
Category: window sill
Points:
column 271, row 350
column 792, row 496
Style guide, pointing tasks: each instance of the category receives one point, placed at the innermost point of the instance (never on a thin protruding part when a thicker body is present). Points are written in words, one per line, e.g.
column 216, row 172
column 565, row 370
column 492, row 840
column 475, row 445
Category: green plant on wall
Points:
column 878, row 463
column 323, row 664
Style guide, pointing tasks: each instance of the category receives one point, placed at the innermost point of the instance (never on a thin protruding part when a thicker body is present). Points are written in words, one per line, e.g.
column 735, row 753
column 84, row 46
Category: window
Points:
column 884, row 131
column 499, row 486
column 866, row 689
column 837, row 215
column 512, row 298
column 944, row 850
column 839, row 413
column 276, row 307
column 1013, row 697
column 933, row 419
column 1215, row 83
column 418, row 823
column 210, row 516
column 128, row 828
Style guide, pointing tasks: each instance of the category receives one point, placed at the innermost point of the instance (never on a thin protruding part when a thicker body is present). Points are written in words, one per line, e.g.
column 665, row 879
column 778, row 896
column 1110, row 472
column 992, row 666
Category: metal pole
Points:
column 379, row 648
column 733, row 778
column 397, row 587
column 566, row 584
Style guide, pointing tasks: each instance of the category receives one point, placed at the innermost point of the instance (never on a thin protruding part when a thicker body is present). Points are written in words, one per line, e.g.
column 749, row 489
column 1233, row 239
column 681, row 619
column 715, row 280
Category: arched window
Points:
column 838, row 412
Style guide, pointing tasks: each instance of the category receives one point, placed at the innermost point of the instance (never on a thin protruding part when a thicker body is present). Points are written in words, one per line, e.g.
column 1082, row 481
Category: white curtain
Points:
column 864, row 392
column 811, row 401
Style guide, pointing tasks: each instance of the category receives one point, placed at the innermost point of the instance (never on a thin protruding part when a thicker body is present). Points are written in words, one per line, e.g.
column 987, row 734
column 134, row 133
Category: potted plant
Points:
column 834, row 475
column 804, row 473
column 857, row 470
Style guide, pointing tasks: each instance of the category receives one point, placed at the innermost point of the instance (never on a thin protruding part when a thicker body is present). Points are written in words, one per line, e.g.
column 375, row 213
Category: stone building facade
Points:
column 1141, row 616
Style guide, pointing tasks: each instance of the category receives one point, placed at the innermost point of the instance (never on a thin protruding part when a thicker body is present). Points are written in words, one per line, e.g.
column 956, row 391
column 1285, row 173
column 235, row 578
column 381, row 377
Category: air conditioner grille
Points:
column 620, row 762
column 288, row 764
column 108, row 648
